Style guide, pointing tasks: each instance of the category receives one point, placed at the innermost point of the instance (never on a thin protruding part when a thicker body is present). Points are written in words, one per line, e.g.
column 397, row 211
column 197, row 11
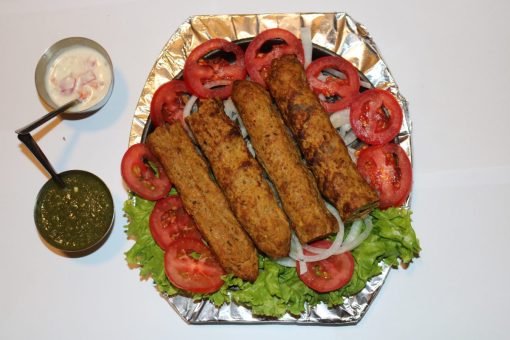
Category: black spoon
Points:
column 26, row 138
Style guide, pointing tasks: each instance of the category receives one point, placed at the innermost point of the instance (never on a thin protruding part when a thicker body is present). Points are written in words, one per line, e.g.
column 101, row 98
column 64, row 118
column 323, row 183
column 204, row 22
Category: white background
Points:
column 451, row 61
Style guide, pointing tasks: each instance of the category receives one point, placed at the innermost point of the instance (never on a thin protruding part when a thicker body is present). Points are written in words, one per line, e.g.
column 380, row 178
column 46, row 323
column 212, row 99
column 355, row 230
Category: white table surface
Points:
column 451, row 60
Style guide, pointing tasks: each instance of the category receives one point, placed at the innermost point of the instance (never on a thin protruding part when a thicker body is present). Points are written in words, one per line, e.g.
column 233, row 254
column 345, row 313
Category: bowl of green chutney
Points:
column 77, row 219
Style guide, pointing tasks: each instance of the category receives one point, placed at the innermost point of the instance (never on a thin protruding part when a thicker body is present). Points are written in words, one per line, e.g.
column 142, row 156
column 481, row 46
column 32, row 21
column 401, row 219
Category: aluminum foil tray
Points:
column 335, row 32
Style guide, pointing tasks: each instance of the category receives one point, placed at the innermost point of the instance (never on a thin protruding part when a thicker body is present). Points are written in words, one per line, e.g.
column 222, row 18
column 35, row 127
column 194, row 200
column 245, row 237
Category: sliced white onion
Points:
column 339, row 246
column 219, row 82
column 244, row 133
column 349, row 138
column 302, row 267
column 341, row 228
column 348, row 246
column 189, row 106
column 230, row 109
column 251, row 149
column 306, row 40
column 233, row 114
column 335, row 73
column 344, row 129
column 341, row 75
column 351, row 241
column 365, row 84
column 286, row 262
column 296, row 252
column 322, row 77
column 354, row 232
column 321, row 254
column 352, row 153
column 322, row 97
column 340, row 118
column 346, row 133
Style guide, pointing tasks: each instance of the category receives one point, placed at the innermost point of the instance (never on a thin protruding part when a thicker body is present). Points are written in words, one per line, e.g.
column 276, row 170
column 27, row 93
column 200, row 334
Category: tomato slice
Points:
column 199, row 71
column 388, row 171
column 170, row 221
column 329, row 274
column 143, row 173
column 328, row 85
column 258, row 62
column 168, row 102
column 376, row 117
column 191, row 266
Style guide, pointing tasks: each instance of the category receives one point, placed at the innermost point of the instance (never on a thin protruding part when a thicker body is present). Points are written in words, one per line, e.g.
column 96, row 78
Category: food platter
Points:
column 333, row 32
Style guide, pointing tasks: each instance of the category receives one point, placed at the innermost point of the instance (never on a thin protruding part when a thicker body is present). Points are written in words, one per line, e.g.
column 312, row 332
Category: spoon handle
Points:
column 31, row 144
column 47, row 117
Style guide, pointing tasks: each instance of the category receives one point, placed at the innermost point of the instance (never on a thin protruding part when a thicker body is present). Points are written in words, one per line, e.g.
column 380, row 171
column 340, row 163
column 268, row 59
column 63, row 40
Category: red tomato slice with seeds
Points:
column 329, row 274
column 170, row 221
column 388, row 171
column 201, row 71
column 168, row 102
column 376, row 117
column 191, row 266
column 323, row 82
column 144, row 174
column 258, row 62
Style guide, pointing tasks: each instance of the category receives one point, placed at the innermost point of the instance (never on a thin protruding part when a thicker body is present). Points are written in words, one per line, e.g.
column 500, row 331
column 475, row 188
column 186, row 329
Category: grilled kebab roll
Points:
column 241, row 178
column 204, row 200
column 320, row 144
column 280, row 157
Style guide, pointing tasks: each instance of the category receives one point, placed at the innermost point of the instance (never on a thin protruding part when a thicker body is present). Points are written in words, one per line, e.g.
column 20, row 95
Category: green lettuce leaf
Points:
column 278, row 289
column 391, row 239
column 145, row 253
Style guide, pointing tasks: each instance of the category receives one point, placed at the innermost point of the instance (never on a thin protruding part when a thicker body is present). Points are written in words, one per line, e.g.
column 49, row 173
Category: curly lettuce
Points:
column 278, row 289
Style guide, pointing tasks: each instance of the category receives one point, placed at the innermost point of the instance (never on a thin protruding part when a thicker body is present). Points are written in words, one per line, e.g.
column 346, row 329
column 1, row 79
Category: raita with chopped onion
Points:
column 78, row 72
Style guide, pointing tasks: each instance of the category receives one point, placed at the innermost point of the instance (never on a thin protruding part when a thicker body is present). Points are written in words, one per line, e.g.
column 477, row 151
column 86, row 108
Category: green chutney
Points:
column 76, row 217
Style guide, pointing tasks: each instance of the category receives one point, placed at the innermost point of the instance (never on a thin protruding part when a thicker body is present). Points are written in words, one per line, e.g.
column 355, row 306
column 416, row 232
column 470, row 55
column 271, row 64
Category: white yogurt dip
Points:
column 78, row 72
